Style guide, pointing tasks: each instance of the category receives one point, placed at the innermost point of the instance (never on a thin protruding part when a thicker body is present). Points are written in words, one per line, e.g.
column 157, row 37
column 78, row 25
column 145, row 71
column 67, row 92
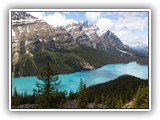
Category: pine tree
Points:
column 107, row 103
column 71, row 95
column 96, row 102
column 103, row 99
column 45, row 95
column 119, row 103
column 16, row 100
column 82, row 100
column 141, row 100
column 60, row 98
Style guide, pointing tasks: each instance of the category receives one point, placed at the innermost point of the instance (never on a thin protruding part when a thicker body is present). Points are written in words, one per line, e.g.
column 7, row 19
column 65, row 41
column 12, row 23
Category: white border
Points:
column 150, row 68
column 80, row 10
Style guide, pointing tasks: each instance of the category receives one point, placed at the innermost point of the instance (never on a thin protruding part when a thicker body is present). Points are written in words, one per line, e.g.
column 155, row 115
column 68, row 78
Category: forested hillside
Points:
column 123, row 89
column 66, row 59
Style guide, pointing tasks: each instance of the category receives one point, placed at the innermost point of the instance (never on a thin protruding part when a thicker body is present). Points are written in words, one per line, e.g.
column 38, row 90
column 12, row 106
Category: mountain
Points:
column 143, row 49
column 35, row 30
column 88, row 34
column 71, row 48
column 29, row 32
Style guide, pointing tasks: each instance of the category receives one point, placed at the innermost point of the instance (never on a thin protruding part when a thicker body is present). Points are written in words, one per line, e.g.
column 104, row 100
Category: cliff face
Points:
column 29, row 31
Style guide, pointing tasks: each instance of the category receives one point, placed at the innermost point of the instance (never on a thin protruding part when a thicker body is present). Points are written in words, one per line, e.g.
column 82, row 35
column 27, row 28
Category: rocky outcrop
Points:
column 128, row 105
column 83, row 39
column 86, row 66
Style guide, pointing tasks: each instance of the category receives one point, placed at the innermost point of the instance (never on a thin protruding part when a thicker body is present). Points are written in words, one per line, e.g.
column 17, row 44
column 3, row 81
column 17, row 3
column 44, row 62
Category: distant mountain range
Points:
column 143, row 49
column 32, row 36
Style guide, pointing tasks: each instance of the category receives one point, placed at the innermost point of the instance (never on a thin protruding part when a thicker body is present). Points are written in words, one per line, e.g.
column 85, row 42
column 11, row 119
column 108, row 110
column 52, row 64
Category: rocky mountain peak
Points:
column 111, row 38
column 106, row 34
column 21, row 15
column 90, row 35
column 22, row 18
column 85, row 23
column 29, row 28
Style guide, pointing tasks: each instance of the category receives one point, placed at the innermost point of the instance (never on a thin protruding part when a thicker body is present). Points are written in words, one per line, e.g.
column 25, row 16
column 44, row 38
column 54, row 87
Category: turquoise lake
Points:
column 71, row 81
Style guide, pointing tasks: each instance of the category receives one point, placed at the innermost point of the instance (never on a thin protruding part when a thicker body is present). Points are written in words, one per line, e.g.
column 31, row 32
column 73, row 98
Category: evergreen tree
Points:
column 107, row 103
column 82, row 100
column 119, row 103
column 96, row 102
column 71, row 95
column 103, row 99
column 16, row 100
column 60, row 98
column 45, row 95
column 82, row 85
column 141, row 100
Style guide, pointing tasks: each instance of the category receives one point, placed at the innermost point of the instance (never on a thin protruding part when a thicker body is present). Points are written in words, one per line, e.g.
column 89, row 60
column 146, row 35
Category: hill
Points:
column 122, row 89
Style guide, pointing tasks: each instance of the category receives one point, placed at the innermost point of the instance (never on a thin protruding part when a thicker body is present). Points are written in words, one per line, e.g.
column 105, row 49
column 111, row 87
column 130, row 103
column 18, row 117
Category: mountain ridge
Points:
column 106, row 41
column 32, row 29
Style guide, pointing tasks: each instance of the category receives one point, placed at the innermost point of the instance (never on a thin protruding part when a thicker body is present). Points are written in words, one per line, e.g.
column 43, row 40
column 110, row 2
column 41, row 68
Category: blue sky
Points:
column 130, row 27
column 77, row 16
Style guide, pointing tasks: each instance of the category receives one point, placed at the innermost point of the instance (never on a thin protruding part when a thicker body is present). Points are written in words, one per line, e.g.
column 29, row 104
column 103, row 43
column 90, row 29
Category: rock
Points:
column 70, row 104
column 27, row 106
column 128, row 105
column 87, row 66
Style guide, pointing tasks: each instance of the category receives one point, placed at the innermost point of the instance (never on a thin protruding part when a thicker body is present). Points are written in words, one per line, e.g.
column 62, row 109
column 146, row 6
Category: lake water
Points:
column 91, row 77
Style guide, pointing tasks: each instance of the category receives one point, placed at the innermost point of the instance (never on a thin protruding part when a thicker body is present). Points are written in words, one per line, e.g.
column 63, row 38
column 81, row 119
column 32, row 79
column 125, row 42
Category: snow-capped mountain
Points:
column 29, row 31
column 90, row 35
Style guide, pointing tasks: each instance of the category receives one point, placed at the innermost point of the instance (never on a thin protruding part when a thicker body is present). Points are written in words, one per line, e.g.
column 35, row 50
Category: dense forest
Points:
column 124, row 92
column 123, row 89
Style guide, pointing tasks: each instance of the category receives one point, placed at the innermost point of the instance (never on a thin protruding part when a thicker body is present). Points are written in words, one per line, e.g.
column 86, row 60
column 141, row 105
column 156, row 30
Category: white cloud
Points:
column 134, row 22
column 122, row 33
column 104, row 23
column 93, row 16
column 56, row 19
column 137, row 25
column 135, row 41
column 128, row 26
